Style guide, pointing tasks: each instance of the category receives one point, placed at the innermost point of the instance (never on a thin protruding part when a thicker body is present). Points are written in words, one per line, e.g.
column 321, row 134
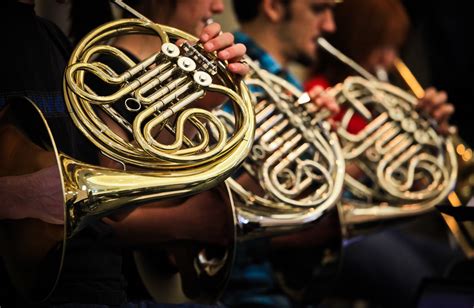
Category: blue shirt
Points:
column 266, row 61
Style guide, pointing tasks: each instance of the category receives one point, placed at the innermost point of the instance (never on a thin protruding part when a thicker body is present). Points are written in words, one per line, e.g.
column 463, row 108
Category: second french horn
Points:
column 294, row 173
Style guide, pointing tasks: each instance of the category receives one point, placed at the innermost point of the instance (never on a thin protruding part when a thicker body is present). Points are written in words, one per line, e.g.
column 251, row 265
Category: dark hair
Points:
column 362, row 26
column 248, row 10
column 86, row 16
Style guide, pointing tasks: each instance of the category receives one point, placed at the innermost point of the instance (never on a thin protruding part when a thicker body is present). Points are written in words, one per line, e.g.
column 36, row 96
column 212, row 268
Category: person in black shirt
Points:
column 92, row 272
column 35, row 54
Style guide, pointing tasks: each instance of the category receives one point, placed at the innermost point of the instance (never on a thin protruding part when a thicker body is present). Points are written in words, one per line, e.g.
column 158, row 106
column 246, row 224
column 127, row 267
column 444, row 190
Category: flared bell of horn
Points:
column 33, row 250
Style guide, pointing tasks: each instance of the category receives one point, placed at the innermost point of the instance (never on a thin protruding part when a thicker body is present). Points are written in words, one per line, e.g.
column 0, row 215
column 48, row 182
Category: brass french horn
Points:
column 295, row 166
column 290, row 185
column 160, row 90
column 405, row 167
column 295, row 171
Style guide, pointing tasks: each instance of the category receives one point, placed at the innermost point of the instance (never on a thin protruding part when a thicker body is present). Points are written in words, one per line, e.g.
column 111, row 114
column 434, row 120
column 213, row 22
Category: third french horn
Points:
column 404, row 166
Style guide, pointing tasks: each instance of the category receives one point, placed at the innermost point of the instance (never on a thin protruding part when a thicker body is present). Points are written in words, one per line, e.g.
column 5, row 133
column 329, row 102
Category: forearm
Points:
column 35, row 195
column 203, row 217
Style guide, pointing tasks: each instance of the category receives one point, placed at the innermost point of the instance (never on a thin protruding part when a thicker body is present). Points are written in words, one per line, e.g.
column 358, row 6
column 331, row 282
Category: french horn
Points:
column 398, row 166
column 289, row 187
column 159, row 92
column 404, row 167
column 456, row 214
column 294, row 173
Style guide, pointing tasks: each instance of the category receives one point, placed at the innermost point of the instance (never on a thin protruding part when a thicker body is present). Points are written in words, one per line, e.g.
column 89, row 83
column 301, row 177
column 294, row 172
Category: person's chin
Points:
column 306, row 58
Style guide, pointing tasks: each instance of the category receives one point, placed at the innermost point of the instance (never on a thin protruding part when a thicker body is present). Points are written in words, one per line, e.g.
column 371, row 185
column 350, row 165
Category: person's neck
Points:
column 141, row 46
column 267, row 38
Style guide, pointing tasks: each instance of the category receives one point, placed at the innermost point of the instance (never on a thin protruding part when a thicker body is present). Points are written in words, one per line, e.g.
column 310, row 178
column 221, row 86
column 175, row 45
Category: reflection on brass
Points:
column 409, row 78
column 463, row 233
column 295, row 171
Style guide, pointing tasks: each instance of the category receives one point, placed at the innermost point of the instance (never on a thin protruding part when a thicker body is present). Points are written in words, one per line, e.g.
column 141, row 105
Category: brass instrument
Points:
column 404, row 166
column 159, row 91
column 291, row 183
column 296, row 165
column 462, row 228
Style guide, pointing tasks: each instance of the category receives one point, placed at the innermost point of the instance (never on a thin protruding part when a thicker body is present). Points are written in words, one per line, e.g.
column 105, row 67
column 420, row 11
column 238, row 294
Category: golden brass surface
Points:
column 164, row 86
column 162, row 90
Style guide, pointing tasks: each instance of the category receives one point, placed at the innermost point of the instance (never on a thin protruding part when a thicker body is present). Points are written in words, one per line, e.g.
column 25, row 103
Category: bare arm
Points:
column 35, row 195
column 203, row 217
column 30, row 186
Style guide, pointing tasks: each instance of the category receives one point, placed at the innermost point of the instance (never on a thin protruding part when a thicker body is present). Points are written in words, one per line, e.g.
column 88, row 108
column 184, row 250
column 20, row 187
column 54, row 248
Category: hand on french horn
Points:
column 435, row 103
column 213, row 39
column 323, row 105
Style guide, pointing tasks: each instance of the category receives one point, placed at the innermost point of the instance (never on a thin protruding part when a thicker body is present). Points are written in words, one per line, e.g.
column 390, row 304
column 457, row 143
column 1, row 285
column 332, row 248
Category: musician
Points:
column 276, row 33
column 371, row 32
column 374, row 43
column 188, row 16
column 35, row 59
column 200, row 217
column 268, row 30
column 37, row 55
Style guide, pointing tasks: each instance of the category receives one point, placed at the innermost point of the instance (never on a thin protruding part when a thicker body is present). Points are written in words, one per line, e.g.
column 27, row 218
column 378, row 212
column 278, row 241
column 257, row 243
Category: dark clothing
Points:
column 35, row 54
column 388, row 267
column 38, row 52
